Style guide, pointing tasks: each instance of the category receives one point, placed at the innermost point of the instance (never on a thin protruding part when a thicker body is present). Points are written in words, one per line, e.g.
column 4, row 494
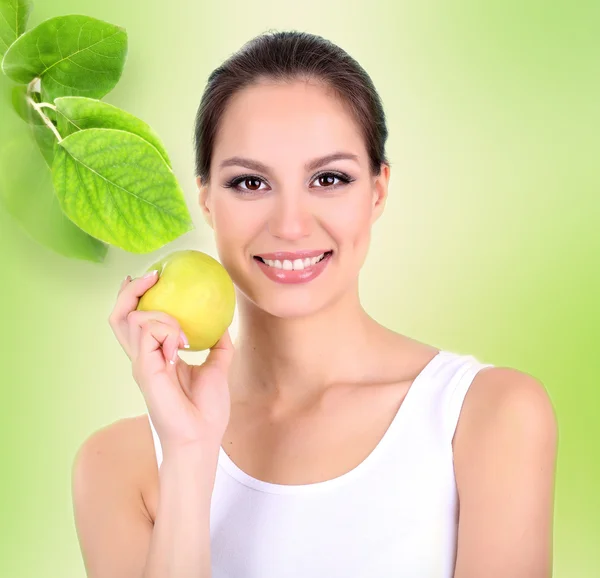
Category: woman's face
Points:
column 274, row 197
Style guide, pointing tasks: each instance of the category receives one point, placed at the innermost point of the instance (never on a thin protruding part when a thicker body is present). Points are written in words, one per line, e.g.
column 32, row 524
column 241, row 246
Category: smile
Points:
column 303, row 268
column 296, row 264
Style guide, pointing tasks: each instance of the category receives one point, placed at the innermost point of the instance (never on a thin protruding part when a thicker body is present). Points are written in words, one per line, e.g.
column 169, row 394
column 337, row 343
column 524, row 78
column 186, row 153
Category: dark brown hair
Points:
column 288, row 56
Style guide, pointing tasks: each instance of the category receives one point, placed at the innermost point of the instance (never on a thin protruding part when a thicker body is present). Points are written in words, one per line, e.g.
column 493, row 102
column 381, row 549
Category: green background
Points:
column 489, row 245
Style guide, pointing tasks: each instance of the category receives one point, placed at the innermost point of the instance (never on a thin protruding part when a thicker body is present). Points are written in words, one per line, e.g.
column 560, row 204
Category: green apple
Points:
column 197, row 291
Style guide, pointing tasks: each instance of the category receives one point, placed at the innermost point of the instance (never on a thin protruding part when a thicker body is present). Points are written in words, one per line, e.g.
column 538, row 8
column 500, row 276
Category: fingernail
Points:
column 150, row 274
column 186, row 343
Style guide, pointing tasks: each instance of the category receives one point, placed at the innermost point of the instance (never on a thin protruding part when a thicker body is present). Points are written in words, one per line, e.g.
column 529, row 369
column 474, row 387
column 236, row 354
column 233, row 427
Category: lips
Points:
column 282, row 273
column 285, row 255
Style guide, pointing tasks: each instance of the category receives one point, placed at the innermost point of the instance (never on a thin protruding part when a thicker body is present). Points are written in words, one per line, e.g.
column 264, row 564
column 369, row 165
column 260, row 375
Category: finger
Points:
column 222, row 352
column 129, row 297
column 156, row 338
column 158, row 345
column 123, row 283
column 111, row 317
column 136, row 319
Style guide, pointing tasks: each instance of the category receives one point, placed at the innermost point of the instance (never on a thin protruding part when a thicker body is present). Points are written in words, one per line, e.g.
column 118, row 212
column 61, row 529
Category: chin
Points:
column 288, row 307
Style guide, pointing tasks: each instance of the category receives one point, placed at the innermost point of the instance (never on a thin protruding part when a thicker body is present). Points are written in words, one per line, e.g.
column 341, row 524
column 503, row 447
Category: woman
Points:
column 323, row 444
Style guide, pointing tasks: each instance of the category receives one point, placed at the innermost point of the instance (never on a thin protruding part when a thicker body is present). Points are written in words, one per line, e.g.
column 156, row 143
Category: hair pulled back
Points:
column 285, row 57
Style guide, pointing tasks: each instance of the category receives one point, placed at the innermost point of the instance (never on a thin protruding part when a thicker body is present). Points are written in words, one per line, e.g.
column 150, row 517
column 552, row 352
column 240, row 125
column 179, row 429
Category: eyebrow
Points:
column 309, row 166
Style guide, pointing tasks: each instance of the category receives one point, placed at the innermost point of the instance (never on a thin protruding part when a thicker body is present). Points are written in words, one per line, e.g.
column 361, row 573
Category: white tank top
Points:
column 395, row 514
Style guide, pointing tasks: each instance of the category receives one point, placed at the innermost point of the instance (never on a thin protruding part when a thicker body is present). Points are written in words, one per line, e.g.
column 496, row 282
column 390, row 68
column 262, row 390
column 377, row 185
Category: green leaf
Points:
column 46, row 141
column 44, row 137
column 72, row 55
column 117, row 187
column 79, row 113
column 19, row 102
column 13, row 19
column 27, row 195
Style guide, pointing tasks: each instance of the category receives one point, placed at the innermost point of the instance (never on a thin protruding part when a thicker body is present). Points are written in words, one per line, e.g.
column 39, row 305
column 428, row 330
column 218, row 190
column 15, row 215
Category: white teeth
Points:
column 296, row 264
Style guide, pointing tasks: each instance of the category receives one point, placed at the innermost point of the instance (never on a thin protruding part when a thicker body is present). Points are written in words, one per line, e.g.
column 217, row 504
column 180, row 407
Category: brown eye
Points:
column 326, row 180
column 330, row 181
column 246, row 184
column 252, row 183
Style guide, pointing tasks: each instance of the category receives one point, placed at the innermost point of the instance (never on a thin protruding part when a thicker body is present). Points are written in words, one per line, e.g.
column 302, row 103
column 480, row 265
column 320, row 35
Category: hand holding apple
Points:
column 188, row 404
column 197, row 291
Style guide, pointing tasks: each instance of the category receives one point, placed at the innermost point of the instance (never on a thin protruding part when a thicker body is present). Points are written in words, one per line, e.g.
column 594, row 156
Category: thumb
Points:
column 221, row 352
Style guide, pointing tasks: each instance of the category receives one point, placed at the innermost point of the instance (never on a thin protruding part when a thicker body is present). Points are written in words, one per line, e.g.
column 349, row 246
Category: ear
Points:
column 203, row 199
column 380, row 191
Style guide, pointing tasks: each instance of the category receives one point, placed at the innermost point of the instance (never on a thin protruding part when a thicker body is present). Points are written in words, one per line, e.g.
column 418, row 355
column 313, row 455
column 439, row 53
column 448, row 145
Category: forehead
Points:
column 280, row 123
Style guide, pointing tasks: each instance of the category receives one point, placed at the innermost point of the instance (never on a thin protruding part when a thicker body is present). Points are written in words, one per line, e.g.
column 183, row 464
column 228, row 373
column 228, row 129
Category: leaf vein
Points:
column 107, row 185
column 68, row 86
column 57, row 42
column 102, row 55
column 90, row 200
column 38, row 49
column 78, row 50
column 157, row 207
column 78, row 39
column 5, row 20
column 88, row 69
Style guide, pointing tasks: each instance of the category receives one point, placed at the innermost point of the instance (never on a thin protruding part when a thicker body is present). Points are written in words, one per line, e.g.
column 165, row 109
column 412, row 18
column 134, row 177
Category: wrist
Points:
column 192, row 452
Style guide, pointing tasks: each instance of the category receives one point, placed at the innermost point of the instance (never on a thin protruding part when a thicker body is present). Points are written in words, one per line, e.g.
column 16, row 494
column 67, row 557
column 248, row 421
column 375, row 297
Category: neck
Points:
column 289, row 358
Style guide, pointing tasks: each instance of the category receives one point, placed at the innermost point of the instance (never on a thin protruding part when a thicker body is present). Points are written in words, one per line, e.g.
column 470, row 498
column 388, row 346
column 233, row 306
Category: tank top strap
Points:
column 156, row 439
column 460, row 373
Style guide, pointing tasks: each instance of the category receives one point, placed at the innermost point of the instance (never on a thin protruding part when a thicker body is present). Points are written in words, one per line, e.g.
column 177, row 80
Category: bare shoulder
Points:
column 121, row 453
column 507, row 416
column 505, row 448
column 503, row 397
column 125, row 441
column 112, row 521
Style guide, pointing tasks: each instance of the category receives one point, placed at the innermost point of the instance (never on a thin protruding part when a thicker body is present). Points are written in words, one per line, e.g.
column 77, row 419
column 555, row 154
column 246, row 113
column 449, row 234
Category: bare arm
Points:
column 190, row 407
column 116, row 535
column 112, row 523
column 180, row 545
column 505, row 454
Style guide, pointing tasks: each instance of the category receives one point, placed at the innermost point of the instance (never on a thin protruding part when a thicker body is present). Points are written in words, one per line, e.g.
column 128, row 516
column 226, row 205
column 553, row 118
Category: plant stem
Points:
column 34, row 85
column 47, row 121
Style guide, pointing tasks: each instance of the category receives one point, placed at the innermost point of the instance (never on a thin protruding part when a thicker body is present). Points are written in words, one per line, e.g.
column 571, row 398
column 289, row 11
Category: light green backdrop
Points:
column 490, row 243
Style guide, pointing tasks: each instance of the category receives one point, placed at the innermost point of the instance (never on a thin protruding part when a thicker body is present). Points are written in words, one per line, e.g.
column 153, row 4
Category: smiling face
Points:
column 290, row 180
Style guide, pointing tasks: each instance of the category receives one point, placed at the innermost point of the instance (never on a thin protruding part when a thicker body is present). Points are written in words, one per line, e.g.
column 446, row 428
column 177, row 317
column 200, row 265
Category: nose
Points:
column 291, row 218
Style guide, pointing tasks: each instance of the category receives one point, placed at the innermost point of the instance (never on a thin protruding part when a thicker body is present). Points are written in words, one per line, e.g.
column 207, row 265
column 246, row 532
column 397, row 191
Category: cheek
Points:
column 350, row 220
column 233, row 222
